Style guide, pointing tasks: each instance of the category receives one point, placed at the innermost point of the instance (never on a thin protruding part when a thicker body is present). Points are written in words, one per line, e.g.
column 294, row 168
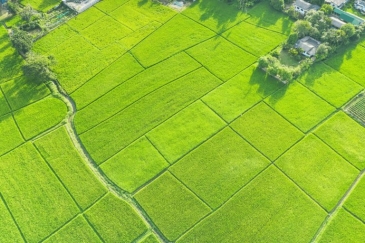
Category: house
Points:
column 337, row 23
column 303, row 7
column 360, row 5
column 336, row 3
column 79, row 5
column 348, row 17
column 308, row 45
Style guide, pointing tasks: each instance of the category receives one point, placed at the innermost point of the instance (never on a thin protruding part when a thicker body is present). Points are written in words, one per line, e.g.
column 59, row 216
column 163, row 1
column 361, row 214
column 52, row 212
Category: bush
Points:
column 21, row 40
column 327, row 9
column 277, row 4
column 323, row 51
column 38, row 67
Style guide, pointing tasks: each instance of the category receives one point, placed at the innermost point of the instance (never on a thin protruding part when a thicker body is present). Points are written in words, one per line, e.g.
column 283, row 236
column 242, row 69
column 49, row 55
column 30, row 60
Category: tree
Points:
column 322, row 51
column 277, row 4
column 302, row 27
column 26, row 13
column 327, row 9
column 21, row 40
column 38, row 67
column 349, row 29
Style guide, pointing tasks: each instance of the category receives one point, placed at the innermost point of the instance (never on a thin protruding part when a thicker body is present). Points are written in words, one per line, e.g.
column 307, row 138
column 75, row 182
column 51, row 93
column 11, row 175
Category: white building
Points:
column 79, row 5
column 303, row 7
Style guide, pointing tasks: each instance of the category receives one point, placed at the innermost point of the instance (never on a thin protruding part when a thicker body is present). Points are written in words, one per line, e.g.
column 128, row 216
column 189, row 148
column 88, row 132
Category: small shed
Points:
column 309, row 46
column 303, row 7
column 348, row 17
column 337, row 23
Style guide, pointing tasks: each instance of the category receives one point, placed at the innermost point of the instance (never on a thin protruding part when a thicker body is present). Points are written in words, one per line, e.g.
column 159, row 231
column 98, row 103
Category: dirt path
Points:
column 58, row 92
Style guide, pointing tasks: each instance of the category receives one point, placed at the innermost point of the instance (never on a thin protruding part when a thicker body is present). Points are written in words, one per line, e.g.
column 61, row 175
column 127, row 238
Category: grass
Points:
column 134, row 165
column 70, row 167
column 41, row 5
column 105, row 31
column 33, row 193
column 257, row 44
column 185, row 131
column 266, row 210
column 319, row 170
column 8, row 228
column 267, row 131
column 4, row 107
column 40, row 116
column 78, row 230
column 20, row 92
column 10, row 134
column 241, row 92
column 110, row 77
column 349, row 62
column 329, row 84
column 132, row 90
column 265, row 16
column 219, row 167
column 224, row 60
column 176, row 35
column 344, row 228
column 110, row 212
column 172, row 207
column 346, row 137
column 355, row 202
column 300, row 106
column 85, row 19
column 214, row 14
column 103, row 141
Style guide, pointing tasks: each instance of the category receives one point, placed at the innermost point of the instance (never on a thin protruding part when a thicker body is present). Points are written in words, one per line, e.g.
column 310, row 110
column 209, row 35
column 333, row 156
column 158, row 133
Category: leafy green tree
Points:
column 21, row 40
column 349, row 29
column 277, row 4
column 327, row 9
column 322, row 51
column 302, row 28
column 38, row 67
column 26, row 13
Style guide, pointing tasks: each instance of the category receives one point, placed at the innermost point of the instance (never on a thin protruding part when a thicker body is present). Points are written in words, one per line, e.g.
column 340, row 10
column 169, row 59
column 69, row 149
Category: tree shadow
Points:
column 342, row 54
column 142, row 2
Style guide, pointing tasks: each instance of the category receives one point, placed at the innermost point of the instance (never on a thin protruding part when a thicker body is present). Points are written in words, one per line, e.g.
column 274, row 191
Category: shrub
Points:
column 277, row 4
column 21, row 40
column 37, row 67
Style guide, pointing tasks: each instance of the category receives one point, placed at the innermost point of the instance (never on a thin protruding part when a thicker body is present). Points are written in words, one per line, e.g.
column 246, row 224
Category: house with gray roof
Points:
column 303, row 7
column 308, row 45
column 336, row 3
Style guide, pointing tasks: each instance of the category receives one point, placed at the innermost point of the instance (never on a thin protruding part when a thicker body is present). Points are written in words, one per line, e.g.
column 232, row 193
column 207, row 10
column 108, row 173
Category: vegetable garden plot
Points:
column 70, row 167
column 85, row 19
column 118, row 72
column 78, row 230
column 53, row 39
column 356, row 109
column 329, row 84
column 300, row 106
column 186, row 130
column 221, row 57
column 176, row 35
column 345, row 136
column 135, row 165
column 241, row 92
column 172, row 207
column 319, row 170
column 270, row 196
column 356, row 201
column 134, row 89
column 20, row 92
column 219, row 167
column 37, row 200
column 267, row 131
column 349, row 61
column 10, row 135
column 9, row 230
column 344, row 228
column 105, row 31
column 40, row 116
column 214, row 14
column 258, row 44
column 263, row 15
column 105, row 140
column 115, row 220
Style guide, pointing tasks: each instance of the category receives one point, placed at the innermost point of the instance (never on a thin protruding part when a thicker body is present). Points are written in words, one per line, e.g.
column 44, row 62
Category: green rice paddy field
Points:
column 176, row 136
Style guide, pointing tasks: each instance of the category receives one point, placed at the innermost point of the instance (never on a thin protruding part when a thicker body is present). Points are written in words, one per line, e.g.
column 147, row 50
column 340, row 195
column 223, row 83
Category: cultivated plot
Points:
column 300, row 106
column 70, row 167
column 42, row 5
column 134, row 165
column 270, row 197
column 219, row 167
column 259, row 43
column 37, row 199
column 185, row 131
column 10, row 135
column 319, row 170
column 329, row 84
column 129, row 16
column 109, row 5
column 172, row 207
column 176, row 35
column 345, row 136
column 85, row 19
column 267, row 130
column 110, row 212
column 356, row 202
column 343, row 228
column 221, row 57
column 8, row 228
column 4, row 107
column 241, row 92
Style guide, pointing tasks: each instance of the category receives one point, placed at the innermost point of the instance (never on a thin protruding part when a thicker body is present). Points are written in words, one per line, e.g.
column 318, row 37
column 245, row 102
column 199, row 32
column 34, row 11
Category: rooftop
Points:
column 348, row 17
column 309, row 45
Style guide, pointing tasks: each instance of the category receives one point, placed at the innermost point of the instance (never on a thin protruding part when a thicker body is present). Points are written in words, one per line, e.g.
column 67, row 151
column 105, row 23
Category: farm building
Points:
column 336, row 3
column 348, row 17
column 79, row 5
column 308, row 45
column 337, row 23
column 302, row 6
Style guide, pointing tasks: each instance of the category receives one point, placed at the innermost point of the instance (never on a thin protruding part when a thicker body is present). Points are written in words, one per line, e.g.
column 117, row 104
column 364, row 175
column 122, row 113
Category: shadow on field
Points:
column 341, row 55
